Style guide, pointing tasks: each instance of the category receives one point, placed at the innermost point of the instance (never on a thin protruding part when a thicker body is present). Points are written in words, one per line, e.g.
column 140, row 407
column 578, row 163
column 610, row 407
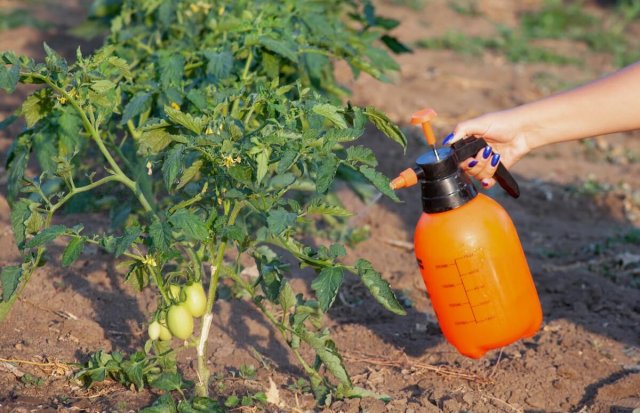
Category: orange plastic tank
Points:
column 477, row 276
column 468, row 250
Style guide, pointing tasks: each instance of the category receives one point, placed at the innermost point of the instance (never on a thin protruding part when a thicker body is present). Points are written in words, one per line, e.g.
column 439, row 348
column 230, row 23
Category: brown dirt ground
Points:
column 586, row 357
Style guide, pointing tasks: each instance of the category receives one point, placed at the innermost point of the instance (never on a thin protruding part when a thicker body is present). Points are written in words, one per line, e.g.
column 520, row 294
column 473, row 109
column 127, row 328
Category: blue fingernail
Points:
column 487, row 152
column 484, row 183
column 495, row 159
column 447, row 139
column 472, row 163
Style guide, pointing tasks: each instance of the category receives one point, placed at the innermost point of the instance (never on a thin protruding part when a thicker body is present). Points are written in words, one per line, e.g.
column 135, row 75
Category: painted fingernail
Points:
column 484, row 183
column 472, row 163
column 495, row 159
column 487, row 152
column 447, row 139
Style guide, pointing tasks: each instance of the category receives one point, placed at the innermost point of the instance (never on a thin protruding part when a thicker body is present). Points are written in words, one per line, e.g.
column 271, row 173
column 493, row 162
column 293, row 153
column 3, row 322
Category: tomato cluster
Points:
column 189, row 301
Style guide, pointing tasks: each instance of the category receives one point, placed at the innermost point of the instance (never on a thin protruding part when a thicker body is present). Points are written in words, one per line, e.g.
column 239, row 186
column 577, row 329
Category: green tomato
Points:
column 180, row 321
column 196, row 301
column 165, row 334
column 174, row 292
column 154, row 330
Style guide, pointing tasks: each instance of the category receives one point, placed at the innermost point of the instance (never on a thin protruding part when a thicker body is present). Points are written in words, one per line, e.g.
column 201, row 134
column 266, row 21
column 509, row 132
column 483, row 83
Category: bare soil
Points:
column 585, row 358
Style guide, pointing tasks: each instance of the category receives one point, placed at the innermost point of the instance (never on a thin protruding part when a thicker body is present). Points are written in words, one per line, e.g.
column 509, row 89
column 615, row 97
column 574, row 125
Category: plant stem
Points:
column 202, row 387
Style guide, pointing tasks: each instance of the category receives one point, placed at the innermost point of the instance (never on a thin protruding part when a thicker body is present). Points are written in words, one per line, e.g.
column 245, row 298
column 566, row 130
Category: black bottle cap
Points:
column 444, row 185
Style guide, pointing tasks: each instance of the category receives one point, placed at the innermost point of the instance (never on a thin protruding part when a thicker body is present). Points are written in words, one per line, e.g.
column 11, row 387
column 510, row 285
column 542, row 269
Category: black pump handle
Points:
column 469, row 147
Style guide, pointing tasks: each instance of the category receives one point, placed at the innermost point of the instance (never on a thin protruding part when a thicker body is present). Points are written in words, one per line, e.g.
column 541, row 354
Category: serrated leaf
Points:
column 190, row 224
column 190, row 173
column 380, row 181
column 164, row 404
column 20, row 213
column 160, row 234
column 44, row 147
column 154, row 140
column 385, row 125
column 280, row 219
column 171, row 69
column 138, row 104
column 35, row 107
column 45, row 236
column 332, row 113
column 283, row 48
column 286, row 297
column 134, row 373
column 262, row 159
column 286, row 160
column 359, row 392
column 378, row 287
column 10, row 279
column 326, row 351
column 326, row 286
column 16, row 165
column 9, row 77
column 171, row 166
column 319, row 207
column 70, row 139
column 121, row 65
column 72, row 251
column 102, row 86
column 124, row 242
column 168, row 382
column 194, row 124
column 361, row 154
column 327, row 168
column 219, row 65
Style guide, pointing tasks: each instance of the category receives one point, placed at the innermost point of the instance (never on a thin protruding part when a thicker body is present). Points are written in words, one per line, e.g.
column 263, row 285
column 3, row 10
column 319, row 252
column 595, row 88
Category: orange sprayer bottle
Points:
column 469, row 252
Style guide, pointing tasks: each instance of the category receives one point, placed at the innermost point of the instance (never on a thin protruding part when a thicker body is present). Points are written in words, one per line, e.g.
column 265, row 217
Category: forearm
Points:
column 608, row 105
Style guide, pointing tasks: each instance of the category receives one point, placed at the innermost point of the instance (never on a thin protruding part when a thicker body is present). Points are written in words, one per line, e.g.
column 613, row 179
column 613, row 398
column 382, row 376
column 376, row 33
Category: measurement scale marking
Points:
column 465, row 292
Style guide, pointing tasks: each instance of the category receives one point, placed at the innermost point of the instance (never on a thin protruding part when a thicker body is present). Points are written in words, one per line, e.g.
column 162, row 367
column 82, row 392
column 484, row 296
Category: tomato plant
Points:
column 204, row 128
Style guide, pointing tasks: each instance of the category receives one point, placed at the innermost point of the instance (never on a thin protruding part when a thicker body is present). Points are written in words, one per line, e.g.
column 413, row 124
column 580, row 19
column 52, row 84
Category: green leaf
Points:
column 219, row 64
column 194, row 124
column 283, row 48
column 171, row 69
column 171, row 166
column 20, row 214
column 385, row 125
column 280, row 219
column 242, row 174
column 332, row 113
column 16, row 165
column 168, row 382
column 45, row 236
column 164, row 404
column 103, row 86
column 44, row 147
column 69, row 132
column 154, row 140
column 361, row 154
column 326, row 286
column 35, row 107
column 190, row 173
column 72, row 251
column 138, row 104
column 378, row 287
column 160, row 234
column 134, row 372
column 124, row 242
column 380, row 181
column 359, row 392
column 327, row 168
column 318, row 206
column 120, row 64
column 286, row 297
column 190, row 224
column 9, row 77
column 263, row 163
column 10, row 279
column 326, row 350
column 395, row 45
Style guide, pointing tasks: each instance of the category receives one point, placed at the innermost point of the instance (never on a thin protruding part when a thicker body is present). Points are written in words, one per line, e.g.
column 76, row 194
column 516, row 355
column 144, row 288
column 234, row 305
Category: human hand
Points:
column 506, row 139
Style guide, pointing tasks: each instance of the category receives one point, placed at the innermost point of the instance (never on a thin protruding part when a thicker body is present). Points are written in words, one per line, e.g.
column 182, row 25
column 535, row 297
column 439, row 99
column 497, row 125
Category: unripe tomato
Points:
column 174, row 292
column 196, row 301
column 154, row 330
column 165, row 334
column 180, row 321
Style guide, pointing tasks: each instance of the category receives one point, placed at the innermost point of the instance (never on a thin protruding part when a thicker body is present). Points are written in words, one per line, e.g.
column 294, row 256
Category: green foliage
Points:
column 204, row 130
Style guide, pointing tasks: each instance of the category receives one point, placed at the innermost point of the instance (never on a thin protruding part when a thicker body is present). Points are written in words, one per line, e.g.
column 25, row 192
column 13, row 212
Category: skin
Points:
column 607, row 105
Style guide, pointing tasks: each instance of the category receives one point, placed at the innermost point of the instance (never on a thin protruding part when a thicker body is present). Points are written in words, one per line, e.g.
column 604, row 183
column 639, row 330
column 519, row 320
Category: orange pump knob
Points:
column 423, row 117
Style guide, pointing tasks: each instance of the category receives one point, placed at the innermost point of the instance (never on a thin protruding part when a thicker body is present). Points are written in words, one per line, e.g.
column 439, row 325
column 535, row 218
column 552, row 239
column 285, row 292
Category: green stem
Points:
column 85, row 188
column 202, row 387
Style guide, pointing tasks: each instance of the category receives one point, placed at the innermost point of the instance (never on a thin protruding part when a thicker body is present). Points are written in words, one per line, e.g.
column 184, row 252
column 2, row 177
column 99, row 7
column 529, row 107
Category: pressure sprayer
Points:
column 468, row 250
